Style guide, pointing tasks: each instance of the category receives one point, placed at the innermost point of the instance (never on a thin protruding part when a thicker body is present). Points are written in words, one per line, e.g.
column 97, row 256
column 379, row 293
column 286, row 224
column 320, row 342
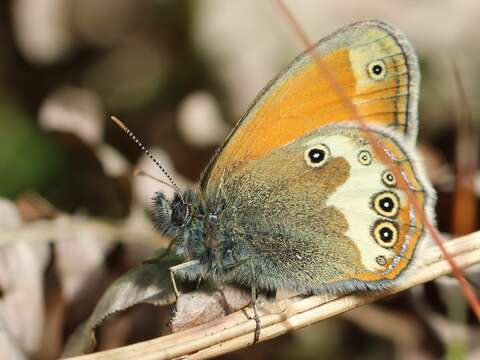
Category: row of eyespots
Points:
column 385, row 232
column 385, row 203
column 364, row 157
column 318, row 155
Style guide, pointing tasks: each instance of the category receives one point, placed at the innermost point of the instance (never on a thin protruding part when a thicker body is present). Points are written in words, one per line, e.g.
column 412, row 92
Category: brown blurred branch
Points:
column 136, row 229
column 235, row 331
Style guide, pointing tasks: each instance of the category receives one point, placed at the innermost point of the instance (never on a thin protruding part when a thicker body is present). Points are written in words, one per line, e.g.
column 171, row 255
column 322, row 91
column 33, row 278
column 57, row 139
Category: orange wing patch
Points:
column 292, row 109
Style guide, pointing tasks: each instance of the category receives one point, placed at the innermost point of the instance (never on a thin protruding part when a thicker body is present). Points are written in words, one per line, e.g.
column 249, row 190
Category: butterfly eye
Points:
column 388, row 179
column 386, row 204
column 385, row 233
column 317, row 155
column 364, row 157
column 377, row 70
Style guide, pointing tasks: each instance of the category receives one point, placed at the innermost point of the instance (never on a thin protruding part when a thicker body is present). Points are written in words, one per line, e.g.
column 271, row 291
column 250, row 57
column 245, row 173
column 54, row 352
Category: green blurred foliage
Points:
column 29, row 158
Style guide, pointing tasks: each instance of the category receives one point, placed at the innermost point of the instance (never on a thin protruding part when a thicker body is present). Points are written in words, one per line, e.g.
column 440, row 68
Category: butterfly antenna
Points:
column 149, row 154
column 143, row 173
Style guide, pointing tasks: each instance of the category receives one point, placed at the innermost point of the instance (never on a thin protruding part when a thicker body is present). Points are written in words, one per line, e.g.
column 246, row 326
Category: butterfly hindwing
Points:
column 327, row 214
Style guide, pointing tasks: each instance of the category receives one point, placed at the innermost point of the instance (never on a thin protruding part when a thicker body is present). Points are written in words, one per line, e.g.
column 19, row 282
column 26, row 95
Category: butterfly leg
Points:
column 256, row 336
column 175, row 268
column 256, row 317
column 199, row 282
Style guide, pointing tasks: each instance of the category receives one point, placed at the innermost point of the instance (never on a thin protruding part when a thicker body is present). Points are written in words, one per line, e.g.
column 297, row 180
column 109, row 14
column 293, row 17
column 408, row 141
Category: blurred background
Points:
column 180, row 74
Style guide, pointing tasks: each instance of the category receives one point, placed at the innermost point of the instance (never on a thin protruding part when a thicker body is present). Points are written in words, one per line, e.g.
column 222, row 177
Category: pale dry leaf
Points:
column 245, row 60
column 200, row 121
column 113, row 162
column 148, row 283
column 200, row 307
column 236, row 298
column 21, row 279
column 9, row 348
column 10, row 217
column 74, row 110
column 136, row 229
column 80, row 258
column 22, row 266
column 41, row 29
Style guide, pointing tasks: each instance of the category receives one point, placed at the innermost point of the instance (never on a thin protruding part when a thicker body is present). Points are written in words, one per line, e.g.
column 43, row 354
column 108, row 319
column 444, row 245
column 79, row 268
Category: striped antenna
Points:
column 137, row 172
column 146, row 151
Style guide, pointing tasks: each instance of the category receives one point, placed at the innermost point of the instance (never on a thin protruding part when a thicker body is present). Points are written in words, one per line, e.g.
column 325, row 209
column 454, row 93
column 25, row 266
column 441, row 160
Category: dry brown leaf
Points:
column 32, row 207
column 148, row 283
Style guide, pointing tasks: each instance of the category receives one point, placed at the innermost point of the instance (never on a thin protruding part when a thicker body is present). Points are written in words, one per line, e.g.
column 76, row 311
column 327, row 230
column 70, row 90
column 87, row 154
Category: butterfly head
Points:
column 181, row 212
column 173, row 216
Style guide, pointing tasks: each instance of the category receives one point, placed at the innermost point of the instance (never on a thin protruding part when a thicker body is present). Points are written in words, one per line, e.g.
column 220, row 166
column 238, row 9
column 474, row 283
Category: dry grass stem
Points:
column 235, row 331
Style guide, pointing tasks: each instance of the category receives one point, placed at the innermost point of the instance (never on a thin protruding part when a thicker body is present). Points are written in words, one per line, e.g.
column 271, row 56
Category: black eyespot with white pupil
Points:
column 317, row 155
column 377, row 70
column 385, row 233
column 386, row 204
column 388, row 179
column 364, row 157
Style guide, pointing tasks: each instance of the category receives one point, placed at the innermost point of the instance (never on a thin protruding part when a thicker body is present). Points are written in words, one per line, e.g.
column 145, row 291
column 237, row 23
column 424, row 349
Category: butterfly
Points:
column 296, row 198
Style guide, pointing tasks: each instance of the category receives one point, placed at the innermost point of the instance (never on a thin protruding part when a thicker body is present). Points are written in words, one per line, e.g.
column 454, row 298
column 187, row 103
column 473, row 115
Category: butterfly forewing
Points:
column 377, row 70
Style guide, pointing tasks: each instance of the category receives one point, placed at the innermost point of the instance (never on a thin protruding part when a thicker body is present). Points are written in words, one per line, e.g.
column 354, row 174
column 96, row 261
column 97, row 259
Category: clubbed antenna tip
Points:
column 121, row 125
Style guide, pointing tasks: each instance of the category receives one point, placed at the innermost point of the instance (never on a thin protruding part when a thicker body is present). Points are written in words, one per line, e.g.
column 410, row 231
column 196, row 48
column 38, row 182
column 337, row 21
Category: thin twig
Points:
column 236, row 330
